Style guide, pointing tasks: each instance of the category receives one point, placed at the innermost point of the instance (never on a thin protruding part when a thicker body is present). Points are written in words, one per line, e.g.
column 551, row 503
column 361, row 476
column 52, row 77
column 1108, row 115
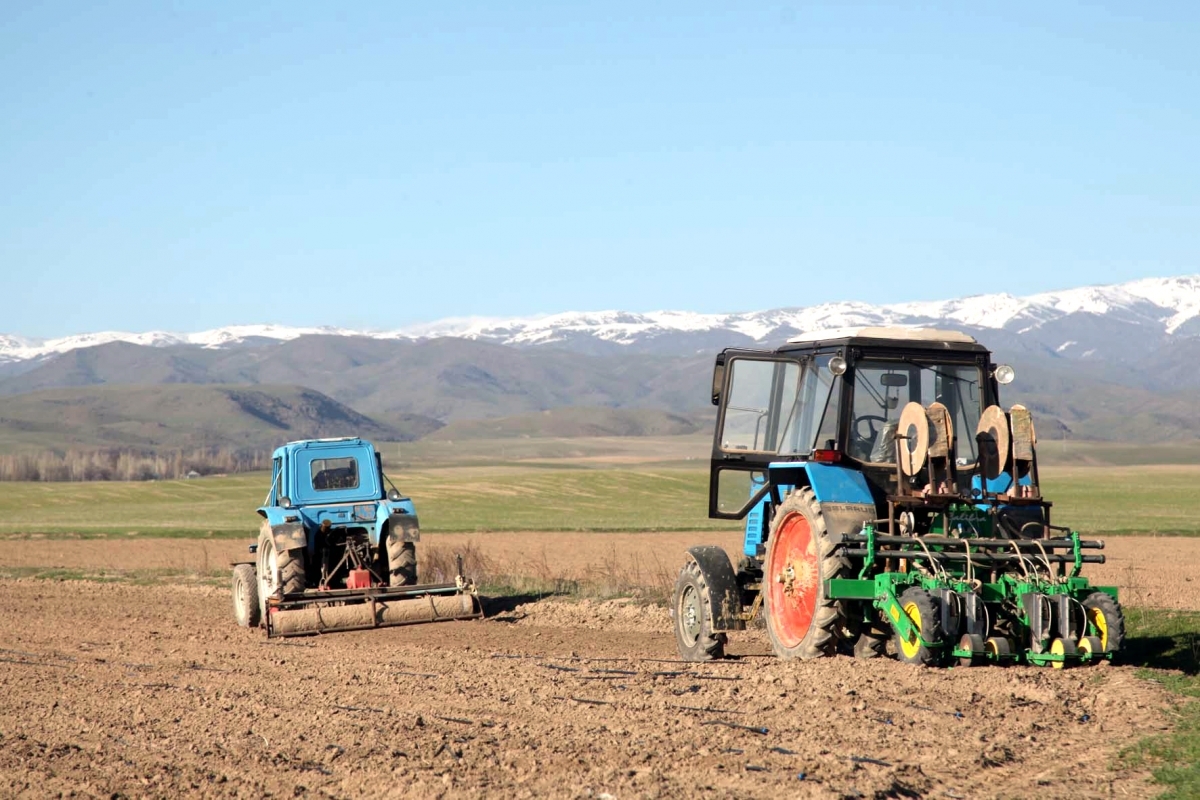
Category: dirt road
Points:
column 119, row 689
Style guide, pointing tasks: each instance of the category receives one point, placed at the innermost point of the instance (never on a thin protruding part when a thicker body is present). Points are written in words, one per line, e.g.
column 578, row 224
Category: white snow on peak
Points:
column 1163, row 304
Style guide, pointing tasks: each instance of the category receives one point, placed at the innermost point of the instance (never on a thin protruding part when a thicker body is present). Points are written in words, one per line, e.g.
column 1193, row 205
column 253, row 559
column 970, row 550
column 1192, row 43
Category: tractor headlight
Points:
column 1005, row 374
column 837, row 365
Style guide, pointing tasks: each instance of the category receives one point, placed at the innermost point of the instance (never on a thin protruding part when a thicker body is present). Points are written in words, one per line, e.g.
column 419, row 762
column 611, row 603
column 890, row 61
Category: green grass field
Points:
column 1167, row 644
column 454, row 499
column 567, row 494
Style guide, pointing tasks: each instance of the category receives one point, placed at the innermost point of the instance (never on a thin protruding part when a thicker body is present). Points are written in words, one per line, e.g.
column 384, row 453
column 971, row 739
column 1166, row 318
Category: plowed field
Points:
column 150, row 690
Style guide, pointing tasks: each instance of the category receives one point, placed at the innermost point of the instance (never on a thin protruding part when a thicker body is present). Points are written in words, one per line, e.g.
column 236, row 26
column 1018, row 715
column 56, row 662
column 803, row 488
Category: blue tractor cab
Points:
column 874, row 465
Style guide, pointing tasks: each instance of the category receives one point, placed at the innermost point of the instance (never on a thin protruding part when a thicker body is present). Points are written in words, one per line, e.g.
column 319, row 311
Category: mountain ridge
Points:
column 1160, row 308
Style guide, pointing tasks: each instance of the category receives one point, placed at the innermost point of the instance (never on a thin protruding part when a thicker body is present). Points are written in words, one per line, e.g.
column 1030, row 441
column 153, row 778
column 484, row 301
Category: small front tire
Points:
column 1106, row 621
column 691, row 615
column 917, row 605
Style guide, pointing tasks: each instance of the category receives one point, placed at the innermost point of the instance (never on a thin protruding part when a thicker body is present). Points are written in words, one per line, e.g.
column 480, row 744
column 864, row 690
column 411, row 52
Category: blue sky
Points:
column 189, row 165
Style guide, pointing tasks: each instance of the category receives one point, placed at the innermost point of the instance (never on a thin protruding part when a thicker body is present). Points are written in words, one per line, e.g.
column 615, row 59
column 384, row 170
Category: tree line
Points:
column 129, row 465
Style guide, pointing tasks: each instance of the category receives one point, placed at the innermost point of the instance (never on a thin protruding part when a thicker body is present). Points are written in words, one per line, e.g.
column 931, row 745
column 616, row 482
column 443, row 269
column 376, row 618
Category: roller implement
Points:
column 887, row 496
column 336, row 552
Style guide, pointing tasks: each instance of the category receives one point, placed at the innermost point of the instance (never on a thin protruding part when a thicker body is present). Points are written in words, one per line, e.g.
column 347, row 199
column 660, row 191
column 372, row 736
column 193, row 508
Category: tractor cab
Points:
column 886, row 493
column 838, row 398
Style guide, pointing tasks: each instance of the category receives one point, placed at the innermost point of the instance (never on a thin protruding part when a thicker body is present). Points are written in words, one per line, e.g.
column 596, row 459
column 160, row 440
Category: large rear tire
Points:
column 280, row 572
column 246, row 608
column 402, row 561
column 802, row 622
column 691, row 613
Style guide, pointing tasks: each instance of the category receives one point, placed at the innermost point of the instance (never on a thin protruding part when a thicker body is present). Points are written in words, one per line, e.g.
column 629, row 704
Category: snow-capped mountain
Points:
column 1080, row 322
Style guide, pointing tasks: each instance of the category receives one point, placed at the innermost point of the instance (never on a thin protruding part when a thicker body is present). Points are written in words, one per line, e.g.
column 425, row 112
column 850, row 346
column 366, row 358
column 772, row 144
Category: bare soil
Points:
column 1151, row 572
column 117, row 689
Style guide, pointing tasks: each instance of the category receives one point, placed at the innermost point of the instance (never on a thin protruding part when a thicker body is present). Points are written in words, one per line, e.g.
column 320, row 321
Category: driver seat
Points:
column 884, row 449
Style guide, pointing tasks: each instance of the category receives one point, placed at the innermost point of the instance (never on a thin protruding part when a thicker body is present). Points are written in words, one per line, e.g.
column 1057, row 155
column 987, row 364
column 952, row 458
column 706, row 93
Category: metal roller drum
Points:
column 315, row 618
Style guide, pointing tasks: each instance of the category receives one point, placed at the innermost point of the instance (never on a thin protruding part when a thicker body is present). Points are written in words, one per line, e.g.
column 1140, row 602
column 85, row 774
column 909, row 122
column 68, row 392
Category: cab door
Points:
column 759, row 393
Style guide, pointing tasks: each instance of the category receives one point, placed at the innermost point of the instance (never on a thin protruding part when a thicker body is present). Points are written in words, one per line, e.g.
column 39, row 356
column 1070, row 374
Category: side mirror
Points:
column 718, row 382
column 285, row 502
column 393, row 495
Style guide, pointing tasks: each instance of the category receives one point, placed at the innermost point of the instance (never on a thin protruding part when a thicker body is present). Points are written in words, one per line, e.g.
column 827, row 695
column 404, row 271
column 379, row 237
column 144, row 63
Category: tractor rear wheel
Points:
column 402, row 561
column 691, row 613
column 802, row 622
column 1106, row 621
column 246, row 609
column 917, row 604
column 280, row 572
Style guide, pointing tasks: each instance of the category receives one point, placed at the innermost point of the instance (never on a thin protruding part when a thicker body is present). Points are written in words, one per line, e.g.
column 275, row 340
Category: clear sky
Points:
column 186, row 165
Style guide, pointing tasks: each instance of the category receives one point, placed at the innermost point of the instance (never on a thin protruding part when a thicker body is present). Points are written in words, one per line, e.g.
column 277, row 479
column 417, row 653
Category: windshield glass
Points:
column 777, row 407
column 883, row 388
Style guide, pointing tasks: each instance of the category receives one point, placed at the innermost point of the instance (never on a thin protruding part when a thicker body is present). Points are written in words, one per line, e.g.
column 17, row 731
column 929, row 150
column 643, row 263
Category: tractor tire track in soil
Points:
column 116, row 689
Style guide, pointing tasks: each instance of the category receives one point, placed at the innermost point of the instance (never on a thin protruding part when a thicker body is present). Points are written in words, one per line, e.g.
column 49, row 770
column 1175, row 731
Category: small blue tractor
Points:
column 887, row 495
column 336, row 551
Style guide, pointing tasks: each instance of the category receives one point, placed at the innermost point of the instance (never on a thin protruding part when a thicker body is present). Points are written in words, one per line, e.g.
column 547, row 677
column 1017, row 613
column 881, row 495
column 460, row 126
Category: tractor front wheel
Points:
column 691, row 612
column 246, row 609
column 402, row 561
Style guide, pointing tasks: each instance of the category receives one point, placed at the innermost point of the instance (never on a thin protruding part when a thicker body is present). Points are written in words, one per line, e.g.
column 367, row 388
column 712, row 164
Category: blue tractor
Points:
column 887, row 495
column 337, row 549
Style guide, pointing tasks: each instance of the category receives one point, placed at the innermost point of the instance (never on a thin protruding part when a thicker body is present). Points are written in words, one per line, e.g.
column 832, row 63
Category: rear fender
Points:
column 287, row 535
column 724, row 596
column 405, row 526
column 845, row 497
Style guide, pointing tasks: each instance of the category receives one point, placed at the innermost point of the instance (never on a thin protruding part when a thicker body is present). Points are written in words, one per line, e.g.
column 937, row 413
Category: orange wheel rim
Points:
column 793, row 580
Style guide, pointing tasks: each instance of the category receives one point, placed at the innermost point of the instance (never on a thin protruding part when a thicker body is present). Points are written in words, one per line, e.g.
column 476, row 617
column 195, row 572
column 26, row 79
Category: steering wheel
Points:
column 872, row 431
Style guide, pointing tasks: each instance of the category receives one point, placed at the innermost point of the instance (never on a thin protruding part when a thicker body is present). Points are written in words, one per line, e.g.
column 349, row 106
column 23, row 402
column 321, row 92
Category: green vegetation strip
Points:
column 448, row 500
column 1169, row 640
column 138, row 577
column 547, row 496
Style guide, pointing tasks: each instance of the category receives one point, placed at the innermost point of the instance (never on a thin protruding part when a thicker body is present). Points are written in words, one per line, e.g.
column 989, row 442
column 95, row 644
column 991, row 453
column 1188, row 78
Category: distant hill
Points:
column 408, row 389
column 572, row 423
column 443, row 379
column 186, row 416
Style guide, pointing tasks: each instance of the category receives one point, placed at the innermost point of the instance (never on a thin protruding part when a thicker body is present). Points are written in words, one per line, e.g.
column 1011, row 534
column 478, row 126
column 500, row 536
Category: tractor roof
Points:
column 899, row 337
column 307, row 443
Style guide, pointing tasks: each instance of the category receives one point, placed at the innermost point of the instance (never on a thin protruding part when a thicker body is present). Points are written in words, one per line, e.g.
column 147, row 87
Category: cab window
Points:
column 334, row 473
column 757, row 389
column 882, row 389
column 780, row 406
